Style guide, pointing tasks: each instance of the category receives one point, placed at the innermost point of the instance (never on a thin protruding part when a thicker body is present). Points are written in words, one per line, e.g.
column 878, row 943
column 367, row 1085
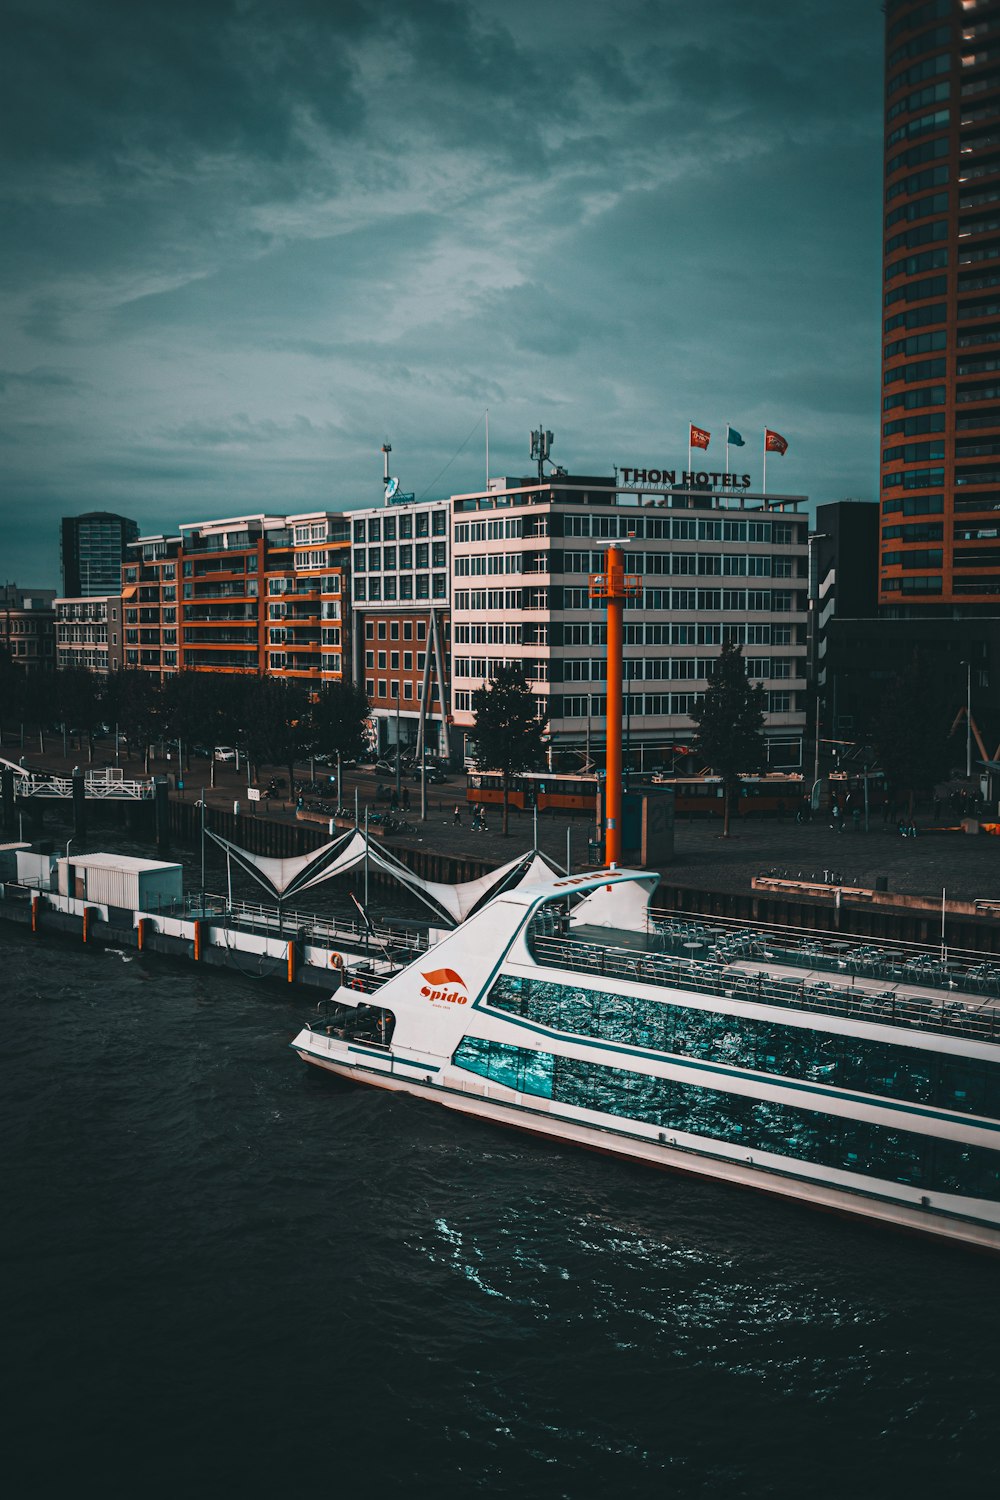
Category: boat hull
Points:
column 618, row 1143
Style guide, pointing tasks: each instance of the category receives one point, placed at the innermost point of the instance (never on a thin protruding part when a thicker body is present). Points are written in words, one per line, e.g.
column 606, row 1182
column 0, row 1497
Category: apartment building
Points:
column 400, row 560
column 150, row 605
column 266, row 594
column 89, row 633
column 714, row 565
column 940, row 471
column 27, row 626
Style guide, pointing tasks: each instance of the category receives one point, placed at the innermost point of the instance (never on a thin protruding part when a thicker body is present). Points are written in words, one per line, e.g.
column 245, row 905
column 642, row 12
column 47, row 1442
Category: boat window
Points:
column 861, row 1064
column 803, row 1135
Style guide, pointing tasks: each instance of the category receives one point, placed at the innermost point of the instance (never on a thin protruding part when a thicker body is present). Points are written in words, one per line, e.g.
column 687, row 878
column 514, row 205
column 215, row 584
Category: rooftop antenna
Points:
column 390, row 485
column 541, row 443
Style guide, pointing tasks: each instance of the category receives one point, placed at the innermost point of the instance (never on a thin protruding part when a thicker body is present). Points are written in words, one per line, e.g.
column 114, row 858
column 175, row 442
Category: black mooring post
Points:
column 7, row 797
column 160, row 809
column 79, row 803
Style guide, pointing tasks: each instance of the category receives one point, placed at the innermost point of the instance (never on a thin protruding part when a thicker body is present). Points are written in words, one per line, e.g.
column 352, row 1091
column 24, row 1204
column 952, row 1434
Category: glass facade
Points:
column 940, row 1080
column 753, row 1124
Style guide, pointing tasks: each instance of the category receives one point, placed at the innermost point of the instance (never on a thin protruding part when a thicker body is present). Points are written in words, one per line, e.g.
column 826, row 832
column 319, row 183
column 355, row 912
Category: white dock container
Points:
column 121, row 880
column 8, row 860
column 35, row 869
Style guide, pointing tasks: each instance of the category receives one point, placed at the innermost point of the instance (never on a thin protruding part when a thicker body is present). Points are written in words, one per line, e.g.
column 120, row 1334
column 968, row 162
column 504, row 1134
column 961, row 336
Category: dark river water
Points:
column 225, row 1273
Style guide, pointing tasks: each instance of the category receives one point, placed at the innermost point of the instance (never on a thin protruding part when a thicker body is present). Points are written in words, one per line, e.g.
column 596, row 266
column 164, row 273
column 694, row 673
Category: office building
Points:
column 89, row 633
column 401, row 580
column 714, row 565
column 940, row 467
column 93, row 550
column 843, row 578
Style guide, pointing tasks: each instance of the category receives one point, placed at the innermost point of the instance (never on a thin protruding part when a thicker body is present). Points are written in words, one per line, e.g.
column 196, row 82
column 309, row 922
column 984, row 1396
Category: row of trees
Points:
column 910, row 734
column 276, row 722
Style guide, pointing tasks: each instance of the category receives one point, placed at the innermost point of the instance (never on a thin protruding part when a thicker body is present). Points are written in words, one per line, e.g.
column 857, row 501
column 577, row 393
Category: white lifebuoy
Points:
column 336, row 960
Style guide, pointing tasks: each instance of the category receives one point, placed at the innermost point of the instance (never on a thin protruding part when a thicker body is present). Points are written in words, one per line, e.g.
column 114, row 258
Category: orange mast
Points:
column 615, row 586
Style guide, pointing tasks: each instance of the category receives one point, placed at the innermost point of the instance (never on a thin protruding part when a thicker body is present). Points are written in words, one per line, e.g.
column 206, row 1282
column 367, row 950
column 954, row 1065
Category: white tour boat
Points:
column 863, row 1083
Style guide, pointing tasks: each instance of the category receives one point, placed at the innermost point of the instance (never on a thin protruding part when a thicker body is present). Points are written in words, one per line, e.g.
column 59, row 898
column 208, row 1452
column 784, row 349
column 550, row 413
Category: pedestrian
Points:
column 856, row 819
column 475, row 820
column 483, row 825
column 835, row 817
column 406, row 799
column 394, row 801
column 458, row 815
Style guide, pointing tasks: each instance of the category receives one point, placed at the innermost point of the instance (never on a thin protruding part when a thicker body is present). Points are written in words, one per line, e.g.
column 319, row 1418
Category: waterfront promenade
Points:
column 966, row 866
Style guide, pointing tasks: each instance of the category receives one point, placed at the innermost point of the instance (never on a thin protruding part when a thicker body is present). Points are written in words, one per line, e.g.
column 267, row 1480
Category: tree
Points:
column 133, row 700
column 337, row 719
column 911, row 731
column 508, row 731
column 730, row 720
column 274, row 724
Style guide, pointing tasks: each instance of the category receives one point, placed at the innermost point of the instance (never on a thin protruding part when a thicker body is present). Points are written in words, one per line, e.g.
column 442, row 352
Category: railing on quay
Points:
column 103, row 785
column 325, row 931
column 708, row 977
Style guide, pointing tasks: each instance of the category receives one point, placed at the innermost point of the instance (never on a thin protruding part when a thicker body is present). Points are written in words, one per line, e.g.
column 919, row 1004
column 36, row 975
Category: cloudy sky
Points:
column 244, row 242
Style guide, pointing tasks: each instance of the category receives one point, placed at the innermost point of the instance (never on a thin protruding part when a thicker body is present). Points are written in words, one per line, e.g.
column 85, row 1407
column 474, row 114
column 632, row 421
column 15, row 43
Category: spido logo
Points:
column 444, row 985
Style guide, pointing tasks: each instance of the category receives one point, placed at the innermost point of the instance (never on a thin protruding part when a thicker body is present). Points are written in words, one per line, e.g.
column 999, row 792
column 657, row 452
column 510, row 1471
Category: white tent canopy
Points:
column 290, row 877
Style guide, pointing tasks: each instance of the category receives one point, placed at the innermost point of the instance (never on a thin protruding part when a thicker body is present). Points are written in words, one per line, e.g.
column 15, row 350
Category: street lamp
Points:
column 968, row 719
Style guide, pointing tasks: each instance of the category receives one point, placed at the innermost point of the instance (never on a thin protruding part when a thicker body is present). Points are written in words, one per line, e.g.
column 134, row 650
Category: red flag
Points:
column 699, row 437
column 774, row 442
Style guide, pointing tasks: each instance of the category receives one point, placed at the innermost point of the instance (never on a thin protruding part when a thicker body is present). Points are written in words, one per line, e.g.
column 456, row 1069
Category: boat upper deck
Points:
column 828, row 976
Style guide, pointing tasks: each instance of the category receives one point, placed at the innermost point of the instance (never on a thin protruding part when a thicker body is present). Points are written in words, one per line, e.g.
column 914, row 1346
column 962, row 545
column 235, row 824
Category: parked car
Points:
column 434, row 775
column 225, row 753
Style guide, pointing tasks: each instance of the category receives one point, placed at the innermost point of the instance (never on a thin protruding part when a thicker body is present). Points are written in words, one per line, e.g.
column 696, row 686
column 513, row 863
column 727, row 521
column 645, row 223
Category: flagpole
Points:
column 727, row 447
column 764, row 487
column 689, row 453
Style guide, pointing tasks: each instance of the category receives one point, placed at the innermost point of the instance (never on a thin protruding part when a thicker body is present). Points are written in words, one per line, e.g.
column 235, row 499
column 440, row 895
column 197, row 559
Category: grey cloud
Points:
column 259, row 240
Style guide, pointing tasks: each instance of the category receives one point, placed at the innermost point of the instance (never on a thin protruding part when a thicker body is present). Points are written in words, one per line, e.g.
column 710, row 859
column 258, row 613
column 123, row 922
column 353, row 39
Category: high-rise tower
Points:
column 940, row 470
column 93, row 547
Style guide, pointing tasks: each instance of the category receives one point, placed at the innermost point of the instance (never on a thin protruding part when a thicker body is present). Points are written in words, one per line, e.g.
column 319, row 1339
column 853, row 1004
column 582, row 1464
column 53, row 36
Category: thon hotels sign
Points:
column 690, row 479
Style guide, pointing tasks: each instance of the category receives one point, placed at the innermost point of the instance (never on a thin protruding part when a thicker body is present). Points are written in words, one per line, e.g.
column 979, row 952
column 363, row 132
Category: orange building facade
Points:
column 262, row 594
column 940, row 462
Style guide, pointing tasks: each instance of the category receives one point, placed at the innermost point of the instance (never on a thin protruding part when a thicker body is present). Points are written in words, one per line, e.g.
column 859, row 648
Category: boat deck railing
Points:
column 728, row 980
column 932, row 967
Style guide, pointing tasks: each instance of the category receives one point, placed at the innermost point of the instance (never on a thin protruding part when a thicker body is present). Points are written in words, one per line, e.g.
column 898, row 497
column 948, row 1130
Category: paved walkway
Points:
column 967, row 866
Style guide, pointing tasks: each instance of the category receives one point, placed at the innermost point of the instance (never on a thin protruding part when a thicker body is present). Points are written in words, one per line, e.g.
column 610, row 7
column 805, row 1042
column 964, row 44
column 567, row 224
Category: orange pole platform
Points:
column 614, row 574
